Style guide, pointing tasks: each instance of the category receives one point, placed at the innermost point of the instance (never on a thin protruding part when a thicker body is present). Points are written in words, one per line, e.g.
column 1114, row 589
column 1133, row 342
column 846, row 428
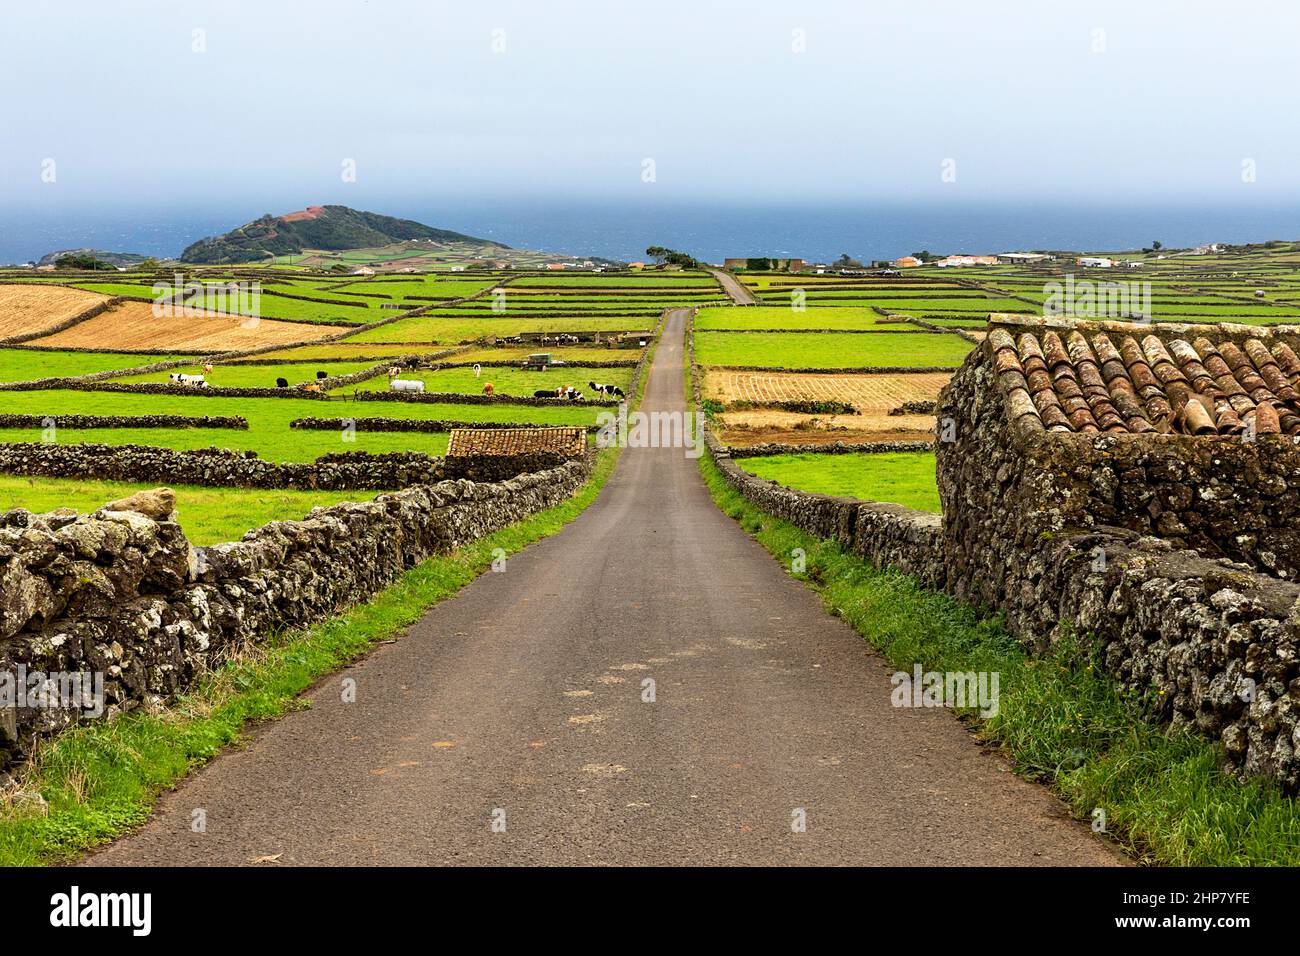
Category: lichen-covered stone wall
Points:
column 1172, row 559
column 1063, row 534
column 127, row 597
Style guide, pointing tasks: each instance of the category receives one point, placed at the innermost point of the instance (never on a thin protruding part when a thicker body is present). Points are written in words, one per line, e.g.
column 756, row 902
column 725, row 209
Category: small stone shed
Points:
column 566, row 442
column 492, row 454
column 1139, row 486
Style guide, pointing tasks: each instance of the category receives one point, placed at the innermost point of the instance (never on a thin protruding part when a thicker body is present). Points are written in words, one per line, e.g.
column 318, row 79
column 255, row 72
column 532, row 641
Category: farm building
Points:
column 562, row 441
column 961, row 261
column 906, row 262
column 1138, row 487
column 763, row 264
column 1095, row 262
column 1022, row 258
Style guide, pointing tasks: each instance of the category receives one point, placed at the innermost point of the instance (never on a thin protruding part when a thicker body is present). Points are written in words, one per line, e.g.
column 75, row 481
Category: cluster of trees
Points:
column 672, row 257
column 82, row 262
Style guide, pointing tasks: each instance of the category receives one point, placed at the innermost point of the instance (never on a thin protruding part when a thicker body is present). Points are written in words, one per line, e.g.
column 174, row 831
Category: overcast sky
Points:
column 1104, row 101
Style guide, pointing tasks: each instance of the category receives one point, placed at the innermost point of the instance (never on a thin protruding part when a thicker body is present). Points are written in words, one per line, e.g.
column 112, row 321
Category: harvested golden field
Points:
column 25, row 309
column 132, row 326
column 759, row 426
column 871, row 394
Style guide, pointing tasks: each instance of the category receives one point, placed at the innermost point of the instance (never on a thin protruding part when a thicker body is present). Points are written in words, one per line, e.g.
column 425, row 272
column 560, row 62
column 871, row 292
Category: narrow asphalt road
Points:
column 523, row 701
column 738, row 291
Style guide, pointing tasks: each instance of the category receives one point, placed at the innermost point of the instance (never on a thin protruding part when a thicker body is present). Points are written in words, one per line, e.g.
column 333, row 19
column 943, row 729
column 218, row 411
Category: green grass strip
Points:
column 100, row 779
column 1061, row 720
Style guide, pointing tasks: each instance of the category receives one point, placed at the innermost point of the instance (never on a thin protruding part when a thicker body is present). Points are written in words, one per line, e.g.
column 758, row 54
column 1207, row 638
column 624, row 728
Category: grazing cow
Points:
column 489, row 388
column 311, row 388
column 281, row 383
column 181, row 379
column 394, row 372
column 406, row 385
column 547, row 393
column 207, row 369
column 606, row 389
column 321, row 375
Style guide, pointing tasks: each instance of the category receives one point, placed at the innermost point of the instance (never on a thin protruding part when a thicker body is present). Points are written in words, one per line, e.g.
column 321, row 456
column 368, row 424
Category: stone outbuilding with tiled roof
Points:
column 566, row 442
column 1183, row 432
column 494, row 454
column 1135, row 488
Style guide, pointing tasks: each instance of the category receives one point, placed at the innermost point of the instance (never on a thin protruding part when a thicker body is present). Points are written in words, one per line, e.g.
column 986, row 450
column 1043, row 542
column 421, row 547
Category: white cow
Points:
column 405, row 385
column 182, row 379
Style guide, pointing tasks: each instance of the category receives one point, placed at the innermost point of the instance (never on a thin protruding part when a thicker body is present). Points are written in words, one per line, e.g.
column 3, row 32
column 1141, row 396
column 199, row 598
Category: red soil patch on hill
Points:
column 311, row 212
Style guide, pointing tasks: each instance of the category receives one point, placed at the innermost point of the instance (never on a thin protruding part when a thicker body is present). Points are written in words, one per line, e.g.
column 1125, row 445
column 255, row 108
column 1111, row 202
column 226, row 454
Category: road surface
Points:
column 738, row 291
column 512, row 725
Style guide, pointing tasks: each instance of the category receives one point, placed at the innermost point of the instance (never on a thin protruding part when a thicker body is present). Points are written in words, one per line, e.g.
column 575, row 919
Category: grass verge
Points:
column 903, row 477
column 101, row 779
column 207, row 515
column 1061, row 720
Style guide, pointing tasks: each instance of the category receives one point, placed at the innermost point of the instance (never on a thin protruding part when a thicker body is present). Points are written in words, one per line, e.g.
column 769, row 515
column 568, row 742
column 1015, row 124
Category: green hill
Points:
column 318, row 227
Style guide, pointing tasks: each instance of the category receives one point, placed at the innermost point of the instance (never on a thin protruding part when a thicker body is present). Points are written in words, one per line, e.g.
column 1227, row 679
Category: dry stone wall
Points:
column 218, row 467
column 126, row 597
column 1171, row 559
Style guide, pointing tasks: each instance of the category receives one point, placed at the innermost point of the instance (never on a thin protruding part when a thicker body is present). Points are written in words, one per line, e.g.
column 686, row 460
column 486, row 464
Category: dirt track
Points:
column 522, row 700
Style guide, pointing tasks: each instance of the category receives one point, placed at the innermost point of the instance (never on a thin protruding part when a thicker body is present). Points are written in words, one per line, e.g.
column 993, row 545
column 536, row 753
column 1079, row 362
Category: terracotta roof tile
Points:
column 1087, row 378
column 569, row 442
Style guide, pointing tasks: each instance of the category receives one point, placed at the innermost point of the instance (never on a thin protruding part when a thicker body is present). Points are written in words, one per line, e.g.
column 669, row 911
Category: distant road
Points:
column 738, row 291
column 523, row 699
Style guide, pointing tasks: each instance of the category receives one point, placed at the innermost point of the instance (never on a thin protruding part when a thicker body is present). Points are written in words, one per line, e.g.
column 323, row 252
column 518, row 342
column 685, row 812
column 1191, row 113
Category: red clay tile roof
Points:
column 569, row 442
column 1112, row 377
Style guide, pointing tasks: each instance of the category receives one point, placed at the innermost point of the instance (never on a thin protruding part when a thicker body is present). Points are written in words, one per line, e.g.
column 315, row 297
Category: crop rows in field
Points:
column 870, row 393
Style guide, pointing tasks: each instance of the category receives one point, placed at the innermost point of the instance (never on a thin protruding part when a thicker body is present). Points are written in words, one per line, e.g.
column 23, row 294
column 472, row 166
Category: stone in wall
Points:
column 126, row 597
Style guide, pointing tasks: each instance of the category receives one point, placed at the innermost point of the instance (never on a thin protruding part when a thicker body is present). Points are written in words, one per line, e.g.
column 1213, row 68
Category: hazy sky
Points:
column 1104, row 101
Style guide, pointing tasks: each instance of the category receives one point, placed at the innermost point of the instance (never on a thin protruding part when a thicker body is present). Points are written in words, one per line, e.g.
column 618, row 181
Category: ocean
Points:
column 709, row 232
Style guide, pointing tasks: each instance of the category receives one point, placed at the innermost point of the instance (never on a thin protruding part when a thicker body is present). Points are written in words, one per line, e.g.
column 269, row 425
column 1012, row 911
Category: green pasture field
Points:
column 448, row 330
column 506, row 381
column 924, row 305
column 278, row 307
column 268, row 421
column 571, row 354
column 340, row 351
column 118, row 288
column 238, row 375
column 425, row 285
column 26, row 365
column 784, row 317
column 830, row 349
column 207, row 515
column 904, row 478
column 690, row 280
